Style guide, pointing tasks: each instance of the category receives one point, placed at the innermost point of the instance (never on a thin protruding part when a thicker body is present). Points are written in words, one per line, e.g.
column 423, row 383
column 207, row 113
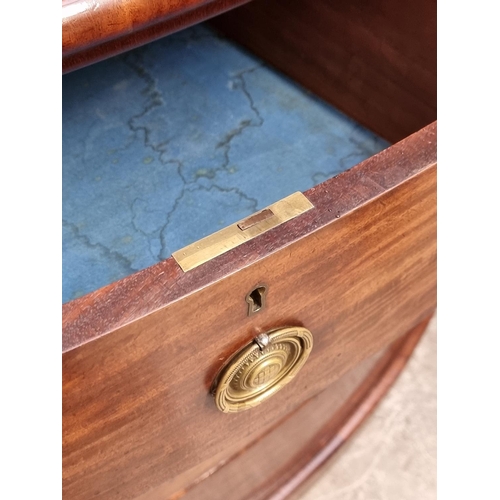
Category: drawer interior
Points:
column 175, row 140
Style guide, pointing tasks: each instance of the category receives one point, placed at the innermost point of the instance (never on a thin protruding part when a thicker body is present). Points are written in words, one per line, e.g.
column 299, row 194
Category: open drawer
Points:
column 163, row 148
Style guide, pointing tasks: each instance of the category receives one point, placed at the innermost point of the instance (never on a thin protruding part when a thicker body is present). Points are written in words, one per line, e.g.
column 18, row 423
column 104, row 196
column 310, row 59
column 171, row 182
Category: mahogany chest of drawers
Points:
column 297, row 232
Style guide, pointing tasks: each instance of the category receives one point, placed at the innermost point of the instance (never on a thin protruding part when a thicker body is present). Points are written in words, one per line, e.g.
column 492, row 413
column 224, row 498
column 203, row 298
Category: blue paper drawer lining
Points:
column 170, row 142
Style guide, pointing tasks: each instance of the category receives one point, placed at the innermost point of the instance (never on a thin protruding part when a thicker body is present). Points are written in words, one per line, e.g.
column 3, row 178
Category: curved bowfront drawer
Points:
column 357, row 271
column 173, row 369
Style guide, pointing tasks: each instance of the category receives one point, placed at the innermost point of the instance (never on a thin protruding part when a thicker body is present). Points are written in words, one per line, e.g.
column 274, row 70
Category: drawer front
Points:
column 289, row 457
column 140, row 355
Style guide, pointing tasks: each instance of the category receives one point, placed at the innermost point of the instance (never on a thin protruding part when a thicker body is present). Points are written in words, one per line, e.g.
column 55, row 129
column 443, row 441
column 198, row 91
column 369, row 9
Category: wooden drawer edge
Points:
column 142, row 293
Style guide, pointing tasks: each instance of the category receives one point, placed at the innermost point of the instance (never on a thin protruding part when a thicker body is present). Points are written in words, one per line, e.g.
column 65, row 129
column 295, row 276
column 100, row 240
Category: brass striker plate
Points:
column 262, row 368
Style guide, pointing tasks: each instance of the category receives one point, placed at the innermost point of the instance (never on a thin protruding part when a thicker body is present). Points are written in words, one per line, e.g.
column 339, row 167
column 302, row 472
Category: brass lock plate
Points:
column 260, row 369
column 232, row 236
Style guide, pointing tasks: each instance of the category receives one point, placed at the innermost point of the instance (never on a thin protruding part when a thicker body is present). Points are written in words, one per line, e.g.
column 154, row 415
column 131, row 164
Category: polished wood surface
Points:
column 358, row 270
column 373, row 59
column 93, row 30
column 285, row 459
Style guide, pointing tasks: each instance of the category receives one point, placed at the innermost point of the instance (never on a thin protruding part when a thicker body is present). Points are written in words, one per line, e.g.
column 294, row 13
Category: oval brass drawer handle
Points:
column 260, row 369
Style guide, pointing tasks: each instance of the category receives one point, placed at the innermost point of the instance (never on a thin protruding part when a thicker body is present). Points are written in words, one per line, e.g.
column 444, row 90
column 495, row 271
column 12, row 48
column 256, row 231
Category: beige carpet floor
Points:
column 393, row 455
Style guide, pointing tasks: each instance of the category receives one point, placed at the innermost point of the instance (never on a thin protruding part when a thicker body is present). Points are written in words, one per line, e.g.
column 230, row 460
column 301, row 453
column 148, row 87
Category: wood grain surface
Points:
column 93, row 30
column 358, row 271
column 284, row 460
column 373, row 59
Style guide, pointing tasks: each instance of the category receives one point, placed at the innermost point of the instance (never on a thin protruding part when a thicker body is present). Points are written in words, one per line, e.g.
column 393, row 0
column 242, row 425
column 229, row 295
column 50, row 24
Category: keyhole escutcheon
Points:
column 256, row 299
